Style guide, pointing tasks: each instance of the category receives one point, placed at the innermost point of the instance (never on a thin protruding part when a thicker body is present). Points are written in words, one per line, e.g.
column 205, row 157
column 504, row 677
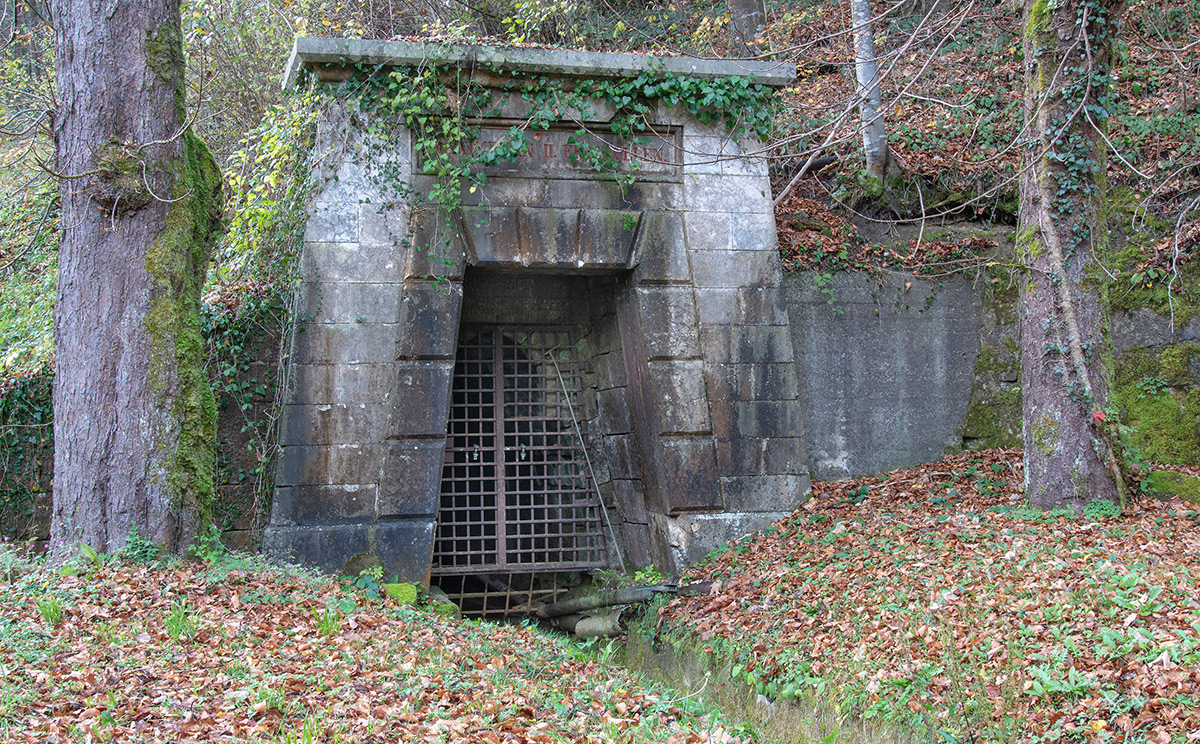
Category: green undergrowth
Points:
column 1146, row 279
column 706, row 668
column 1154, row 267
column 240, row 353
column 242, row 360
column 26, row 455
column 28, row 276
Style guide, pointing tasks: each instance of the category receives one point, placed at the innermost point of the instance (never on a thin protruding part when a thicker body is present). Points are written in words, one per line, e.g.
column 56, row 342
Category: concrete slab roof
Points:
column 309, row 51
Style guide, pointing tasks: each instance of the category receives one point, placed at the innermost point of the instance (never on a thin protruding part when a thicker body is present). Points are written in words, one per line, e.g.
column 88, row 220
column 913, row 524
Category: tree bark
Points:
column 866, row 69
column 1070, row 458
column 134, row 419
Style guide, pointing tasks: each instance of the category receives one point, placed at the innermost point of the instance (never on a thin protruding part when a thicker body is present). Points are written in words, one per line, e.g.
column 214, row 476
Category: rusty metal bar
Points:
column 588, row 458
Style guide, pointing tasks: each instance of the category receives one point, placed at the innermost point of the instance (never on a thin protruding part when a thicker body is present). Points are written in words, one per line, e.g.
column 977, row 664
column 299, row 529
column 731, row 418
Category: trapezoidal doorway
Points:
column 517, row 506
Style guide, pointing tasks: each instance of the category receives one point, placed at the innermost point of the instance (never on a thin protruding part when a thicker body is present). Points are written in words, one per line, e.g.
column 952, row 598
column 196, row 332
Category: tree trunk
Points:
column 134, row 419
column 870, row 105
column 1065, row 346
column 747, row 18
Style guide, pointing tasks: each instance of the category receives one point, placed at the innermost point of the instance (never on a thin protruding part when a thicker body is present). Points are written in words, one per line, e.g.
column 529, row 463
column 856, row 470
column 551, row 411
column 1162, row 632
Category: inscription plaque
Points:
column 562, row 153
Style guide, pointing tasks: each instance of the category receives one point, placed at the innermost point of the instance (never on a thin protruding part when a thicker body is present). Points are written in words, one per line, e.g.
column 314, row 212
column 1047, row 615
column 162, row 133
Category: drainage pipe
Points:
column 607, row 599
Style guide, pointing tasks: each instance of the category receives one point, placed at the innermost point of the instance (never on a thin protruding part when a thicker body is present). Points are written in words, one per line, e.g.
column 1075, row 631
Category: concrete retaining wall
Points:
column 886, row 367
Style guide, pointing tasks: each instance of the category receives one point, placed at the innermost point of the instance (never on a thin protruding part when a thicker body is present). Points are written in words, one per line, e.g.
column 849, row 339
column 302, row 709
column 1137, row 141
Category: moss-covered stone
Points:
column 446, row 609
column 1167, row 484
column 361, row 563
column 1159, row 399
column 1004, row 298
column 439, row 603
column 991, row 359
column 1134, row 249
column 994, row 421
column 1174, row 364
column 404, row 594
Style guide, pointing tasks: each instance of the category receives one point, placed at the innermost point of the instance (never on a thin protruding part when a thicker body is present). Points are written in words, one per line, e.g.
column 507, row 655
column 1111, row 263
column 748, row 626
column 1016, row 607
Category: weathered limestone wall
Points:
column 895, row 372
column 346, row 484
column 674, row 282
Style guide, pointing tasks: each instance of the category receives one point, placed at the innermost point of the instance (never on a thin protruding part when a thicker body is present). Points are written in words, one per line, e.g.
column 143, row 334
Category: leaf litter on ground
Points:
column 196, row 652
column 935, row 598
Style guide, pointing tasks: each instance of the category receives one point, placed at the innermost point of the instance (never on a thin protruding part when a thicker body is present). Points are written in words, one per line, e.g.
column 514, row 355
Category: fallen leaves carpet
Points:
column 934, row 598
column 196, row 652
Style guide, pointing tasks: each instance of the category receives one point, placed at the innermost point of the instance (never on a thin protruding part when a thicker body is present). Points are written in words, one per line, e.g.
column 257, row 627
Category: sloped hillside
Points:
column 932, row 598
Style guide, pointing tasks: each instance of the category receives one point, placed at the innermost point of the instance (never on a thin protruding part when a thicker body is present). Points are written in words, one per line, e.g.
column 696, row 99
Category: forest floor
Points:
column 235, row 650
column 928, row 601
column 934, row 600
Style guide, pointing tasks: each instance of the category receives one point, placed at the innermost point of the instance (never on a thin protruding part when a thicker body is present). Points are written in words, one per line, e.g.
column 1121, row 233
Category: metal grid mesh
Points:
column 515, row 489
column 484, row 595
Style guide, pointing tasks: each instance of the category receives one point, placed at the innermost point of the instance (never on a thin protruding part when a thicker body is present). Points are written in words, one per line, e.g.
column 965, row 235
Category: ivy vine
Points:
column 444, row 107
column 26, row 452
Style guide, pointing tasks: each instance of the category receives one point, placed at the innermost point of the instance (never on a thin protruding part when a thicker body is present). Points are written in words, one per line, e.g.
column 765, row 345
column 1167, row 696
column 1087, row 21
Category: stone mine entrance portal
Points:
column 443, row 426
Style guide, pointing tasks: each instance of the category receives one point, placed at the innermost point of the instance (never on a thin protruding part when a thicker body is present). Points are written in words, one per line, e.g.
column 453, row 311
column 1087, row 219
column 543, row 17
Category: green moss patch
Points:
column 994, row 423
column 446, row 609
column 177, row 264
column 1168, row 484
column 404, row 594
column 1144, row 277
column 1159, row 398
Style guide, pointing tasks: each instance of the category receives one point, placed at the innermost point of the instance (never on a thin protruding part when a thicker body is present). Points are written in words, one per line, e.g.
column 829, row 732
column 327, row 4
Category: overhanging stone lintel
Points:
column 308, row 51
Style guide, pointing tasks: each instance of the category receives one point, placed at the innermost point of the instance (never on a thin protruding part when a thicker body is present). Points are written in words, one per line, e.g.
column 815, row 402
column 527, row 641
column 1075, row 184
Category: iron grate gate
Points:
column 515, row 489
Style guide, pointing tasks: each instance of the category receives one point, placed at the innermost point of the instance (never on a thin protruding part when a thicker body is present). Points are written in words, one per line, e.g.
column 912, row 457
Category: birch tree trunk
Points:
column 870, row 97
column 1070, row 458
column 134, row 419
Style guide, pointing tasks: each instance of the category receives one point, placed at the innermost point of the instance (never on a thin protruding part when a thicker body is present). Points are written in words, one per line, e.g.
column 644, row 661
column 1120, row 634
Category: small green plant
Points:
column 91, row 555
column 822, row 280
column 275, row 698
column 138, row 549
column 1101, row 509
column 311, row 731
column 208, row 546
column 648, row 575
column 51, row 610
column 370, row 581
column 12, row 563
column 1049, row 683
column 1150, row 386
column 600, row 649
column 182, row 623
column 328, row 620
column 858, row 496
